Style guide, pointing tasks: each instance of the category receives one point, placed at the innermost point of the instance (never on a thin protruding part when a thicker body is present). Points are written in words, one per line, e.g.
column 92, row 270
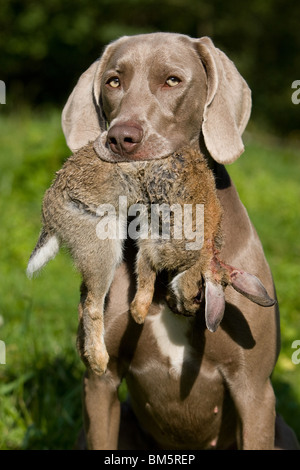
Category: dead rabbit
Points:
column 86, row 188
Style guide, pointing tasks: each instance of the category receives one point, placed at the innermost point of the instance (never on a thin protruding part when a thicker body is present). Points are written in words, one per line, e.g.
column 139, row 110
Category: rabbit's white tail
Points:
column 46, row 248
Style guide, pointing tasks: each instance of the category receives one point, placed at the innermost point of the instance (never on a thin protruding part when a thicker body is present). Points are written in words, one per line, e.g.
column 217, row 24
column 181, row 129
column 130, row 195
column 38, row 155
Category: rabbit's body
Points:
column 88, row 189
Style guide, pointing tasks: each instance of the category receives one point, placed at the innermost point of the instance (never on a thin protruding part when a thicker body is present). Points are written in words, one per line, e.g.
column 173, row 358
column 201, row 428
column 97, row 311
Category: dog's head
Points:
column 149, row 95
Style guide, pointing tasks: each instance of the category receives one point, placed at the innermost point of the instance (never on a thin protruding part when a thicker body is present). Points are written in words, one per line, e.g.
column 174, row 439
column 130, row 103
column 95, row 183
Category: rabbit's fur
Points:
column 75, row 204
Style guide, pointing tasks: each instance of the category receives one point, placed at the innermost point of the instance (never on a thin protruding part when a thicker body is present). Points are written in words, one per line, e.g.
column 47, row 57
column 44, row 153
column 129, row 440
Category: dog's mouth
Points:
column 150, row 148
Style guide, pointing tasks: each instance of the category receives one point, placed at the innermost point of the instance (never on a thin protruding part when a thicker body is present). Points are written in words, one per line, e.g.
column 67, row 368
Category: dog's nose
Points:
column 124, row 138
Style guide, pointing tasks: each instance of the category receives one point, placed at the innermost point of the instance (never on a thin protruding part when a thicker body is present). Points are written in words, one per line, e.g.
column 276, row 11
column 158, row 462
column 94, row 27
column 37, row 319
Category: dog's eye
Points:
column 114, row 82
column 172, row 81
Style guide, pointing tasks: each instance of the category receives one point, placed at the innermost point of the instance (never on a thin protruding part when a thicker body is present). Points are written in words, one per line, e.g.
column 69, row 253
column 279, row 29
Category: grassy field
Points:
column 40, row 384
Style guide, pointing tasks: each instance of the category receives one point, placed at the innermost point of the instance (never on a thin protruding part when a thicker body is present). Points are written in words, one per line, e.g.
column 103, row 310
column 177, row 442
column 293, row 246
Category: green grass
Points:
column 40, row 384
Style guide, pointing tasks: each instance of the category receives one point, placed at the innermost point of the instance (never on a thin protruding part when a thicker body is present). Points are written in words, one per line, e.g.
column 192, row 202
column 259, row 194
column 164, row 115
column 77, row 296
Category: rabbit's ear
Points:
column 82, row 117
column 228, row 104
column 214, row 305
column 251, row 287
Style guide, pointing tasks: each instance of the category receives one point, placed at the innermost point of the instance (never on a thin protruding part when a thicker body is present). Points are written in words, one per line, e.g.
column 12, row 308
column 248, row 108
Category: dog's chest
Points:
column 171, row 333
column 178, row 391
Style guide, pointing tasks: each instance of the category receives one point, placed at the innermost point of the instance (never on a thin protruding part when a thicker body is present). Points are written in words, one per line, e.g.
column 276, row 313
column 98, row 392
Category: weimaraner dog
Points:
column 189, row 388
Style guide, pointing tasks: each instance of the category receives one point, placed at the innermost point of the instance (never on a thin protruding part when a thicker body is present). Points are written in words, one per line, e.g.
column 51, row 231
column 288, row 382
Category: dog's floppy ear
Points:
column 228, row 104
column 82, row 117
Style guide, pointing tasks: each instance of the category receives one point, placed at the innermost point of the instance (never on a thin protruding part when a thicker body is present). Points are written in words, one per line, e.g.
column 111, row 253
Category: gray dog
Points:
column 145, row 98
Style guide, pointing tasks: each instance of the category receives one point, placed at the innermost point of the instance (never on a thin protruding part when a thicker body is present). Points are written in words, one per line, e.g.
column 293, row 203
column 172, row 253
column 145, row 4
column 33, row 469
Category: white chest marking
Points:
column 170, row 332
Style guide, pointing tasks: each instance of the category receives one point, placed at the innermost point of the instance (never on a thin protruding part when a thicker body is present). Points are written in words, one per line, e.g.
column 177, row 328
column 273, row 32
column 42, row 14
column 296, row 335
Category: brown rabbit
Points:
column 86, row 188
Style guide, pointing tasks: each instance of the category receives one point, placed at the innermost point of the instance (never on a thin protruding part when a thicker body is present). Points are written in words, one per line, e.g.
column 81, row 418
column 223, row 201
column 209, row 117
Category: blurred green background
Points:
column 44, row 47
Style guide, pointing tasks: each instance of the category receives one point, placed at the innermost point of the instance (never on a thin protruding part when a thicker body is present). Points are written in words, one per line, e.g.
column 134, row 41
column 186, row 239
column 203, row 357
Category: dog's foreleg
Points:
column 254, row 400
